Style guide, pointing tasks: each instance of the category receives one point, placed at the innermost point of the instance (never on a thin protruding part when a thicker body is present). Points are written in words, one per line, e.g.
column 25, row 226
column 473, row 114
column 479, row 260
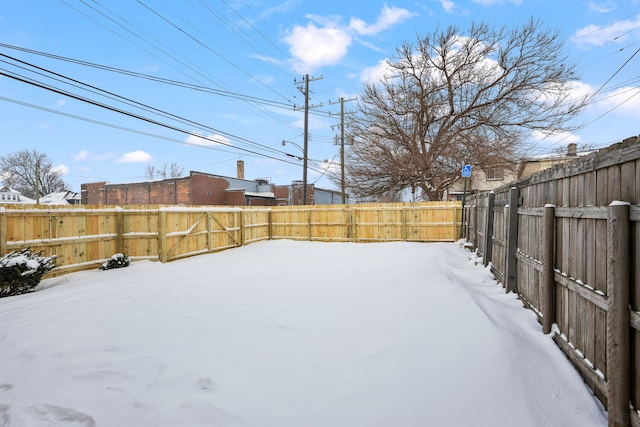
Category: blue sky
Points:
column 231, row 71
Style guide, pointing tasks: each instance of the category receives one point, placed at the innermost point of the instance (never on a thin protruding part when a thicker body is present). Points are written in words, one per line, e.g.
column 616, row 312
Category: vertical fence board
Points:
column 618, row 347
column 635, row 306
column 548, row 262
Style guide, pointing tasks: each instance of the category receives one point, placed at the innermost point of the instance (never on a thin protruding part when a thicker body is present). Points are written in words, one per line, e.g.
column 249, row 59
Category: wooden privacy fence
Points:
column 84, row 237
column 568, row 241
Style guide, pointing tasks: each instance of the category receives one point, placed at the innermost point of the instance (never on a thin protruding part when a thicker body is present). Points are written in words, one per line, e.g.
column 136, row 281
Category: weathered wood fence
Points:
column 567, row 240
column 85, row 237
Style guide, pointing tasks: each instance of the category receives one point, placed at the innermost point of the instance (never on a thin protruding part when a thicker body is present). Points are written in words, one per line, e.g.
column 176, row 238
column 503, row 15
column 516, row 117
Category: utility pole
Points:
column 305, row 92
column 37, row 182
column 342, row 182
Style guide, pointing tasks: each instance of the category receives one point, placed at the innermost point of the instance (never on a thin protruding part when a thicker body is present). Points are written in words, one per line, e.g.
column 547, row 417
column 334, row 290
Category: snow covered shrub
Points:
column 21, row 271
column 116, row 261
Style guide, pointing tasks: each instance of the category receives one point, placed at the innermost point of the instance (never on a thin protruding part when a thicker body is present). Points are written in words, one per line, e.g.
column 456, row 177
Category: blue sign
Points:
column 466, row 171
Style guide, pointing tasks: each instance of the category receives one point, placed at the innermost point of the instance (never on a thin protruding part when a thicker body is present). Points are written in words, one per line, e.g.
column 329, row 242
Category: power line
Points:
column 155, row 44
column 131, row 102
column 130, row 114
column 150, row 77
column 204, row 45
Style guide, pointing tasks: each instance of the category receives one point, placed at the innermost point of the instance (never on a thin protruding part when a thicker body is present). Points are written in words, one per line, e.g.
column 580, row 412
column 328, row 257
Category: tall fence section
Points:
column 567, row 240
column 83, row 238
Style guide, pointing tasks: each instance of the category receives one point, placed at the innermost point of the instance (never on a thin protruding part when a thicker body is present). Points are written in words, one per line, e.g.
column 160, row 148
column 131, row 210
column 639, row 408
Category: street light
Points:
column 291, row 155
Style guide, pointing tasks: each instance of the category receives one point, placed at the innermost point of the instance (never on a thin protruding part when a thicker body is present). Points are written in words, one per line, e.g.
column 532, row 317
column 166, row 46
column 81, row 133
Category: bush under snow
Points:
column 21, row 271
column 116, row 261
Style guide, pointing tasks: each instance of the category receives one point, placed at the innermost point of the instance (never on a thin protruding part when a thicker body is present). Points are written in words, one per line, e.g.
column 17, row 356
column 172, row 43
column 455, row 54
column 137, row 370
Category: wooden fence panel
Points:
column 329, row 223
column 290, row 222
column 85, row 237
column 581, row 264
column 635, row 313
column 256, row 225
column 78, row 238
column 140, row 233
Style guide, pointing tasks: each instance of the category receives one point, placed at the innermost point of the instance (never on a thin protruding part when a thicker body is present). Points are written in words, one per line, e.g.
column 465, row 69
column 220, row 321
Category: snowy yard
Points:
column 281, row 334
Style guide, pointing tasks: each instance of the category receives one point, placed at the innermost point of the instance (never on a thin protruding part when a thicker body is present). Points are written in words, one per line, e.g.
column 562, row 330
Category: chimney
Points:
column 572, row 150
column 240, row 172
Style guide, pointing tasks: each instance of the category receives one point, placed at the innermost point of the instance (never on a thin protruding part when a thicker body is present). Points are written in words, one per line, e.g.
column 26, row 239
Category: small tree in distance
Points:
column 31, row 173
column 165, row 171
column 455, row 98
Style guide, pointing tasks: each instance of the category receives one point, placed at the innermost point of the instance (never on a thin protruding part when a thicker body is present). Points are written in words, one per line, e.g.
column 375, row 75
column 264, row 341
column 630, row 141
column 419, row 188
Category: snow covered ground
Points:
column 284, row 333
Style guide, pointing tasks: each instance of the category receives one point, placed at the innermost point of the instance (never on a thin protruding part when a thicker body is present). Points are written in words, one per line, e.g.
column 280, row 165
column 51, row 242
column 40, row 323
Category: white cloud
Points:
column 388, row 17
column 315, row 47
column 623, row 101
column 602, row 7
column 325, row 40
column 376, row 73
column 448, row 5
column 81, row 156
column 555, row 137
column 84, row 155
column 208, row 141
column 495, row 2
column 579, row 90
column 268, row 59
column 62, row 169
column 137, row 156
column 595, row 35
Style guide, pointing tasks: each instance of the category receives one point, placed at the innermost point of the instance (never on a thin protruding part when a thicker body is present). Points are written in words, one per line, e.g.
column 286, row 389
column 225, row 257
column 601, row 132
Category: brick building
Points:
column 201, row 188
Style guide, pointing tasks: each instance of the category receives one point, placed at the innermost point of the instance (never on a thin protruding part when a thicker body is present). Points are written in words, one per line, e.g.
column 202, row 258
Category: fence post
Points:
column 404, row 235
column 618, row 318
column 3, row 231
column 352, row 226
column 512, row 241
column 548, row 264
column 209, row 231
column 162, row 235
column 467, row 234
column 488, row 236
column 119, row 230
column 475, row 221
column 270, row 221
column 242, row 228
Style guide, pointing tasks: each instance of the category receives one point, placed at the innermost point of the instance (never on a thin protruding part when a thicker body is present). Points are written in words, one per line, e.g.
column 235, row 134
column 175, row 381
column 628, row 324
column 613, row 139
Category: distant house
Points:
column 11, row 196
column 483, row 178
column 532, row 165
column 200, row 188
column 65, row 197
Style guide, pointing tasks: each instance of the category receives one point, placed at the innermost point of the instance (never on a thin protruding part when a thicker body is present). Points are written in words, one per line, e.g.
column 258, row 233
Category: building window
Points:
column 495, row 174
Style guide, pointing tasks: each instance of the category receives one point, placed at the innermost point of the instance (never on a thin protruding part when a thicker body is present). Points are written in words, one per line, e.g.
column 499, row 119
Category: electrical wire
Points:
column 176, row 83
column 131, row 102
column 133, row 115
column 156, row 45
column 204, row 45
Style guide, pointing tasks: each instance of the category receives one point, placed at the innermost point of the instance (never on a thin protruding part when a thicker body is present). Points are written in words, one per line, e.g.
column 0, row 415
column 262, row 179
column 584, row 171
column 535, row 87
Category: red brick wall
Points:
column 235, row 198
column 282, row 195
column 198, row 189
column 183, row 191
column 208, row 190
column 165, row 192
column 91, row 194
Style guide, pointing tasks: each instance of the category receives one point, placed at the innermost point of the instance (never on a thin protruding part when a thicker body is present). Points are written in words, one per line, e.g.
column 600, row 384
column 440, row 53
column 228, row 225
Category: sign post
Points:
column 466, row 174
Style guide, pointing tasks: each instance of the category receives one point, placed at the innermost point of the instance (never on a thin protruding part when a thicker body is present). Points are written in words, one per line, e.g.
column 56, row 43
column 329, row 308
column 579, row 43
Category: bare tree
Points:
column 172, row 170
column 31, row 173
column 453, row 99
